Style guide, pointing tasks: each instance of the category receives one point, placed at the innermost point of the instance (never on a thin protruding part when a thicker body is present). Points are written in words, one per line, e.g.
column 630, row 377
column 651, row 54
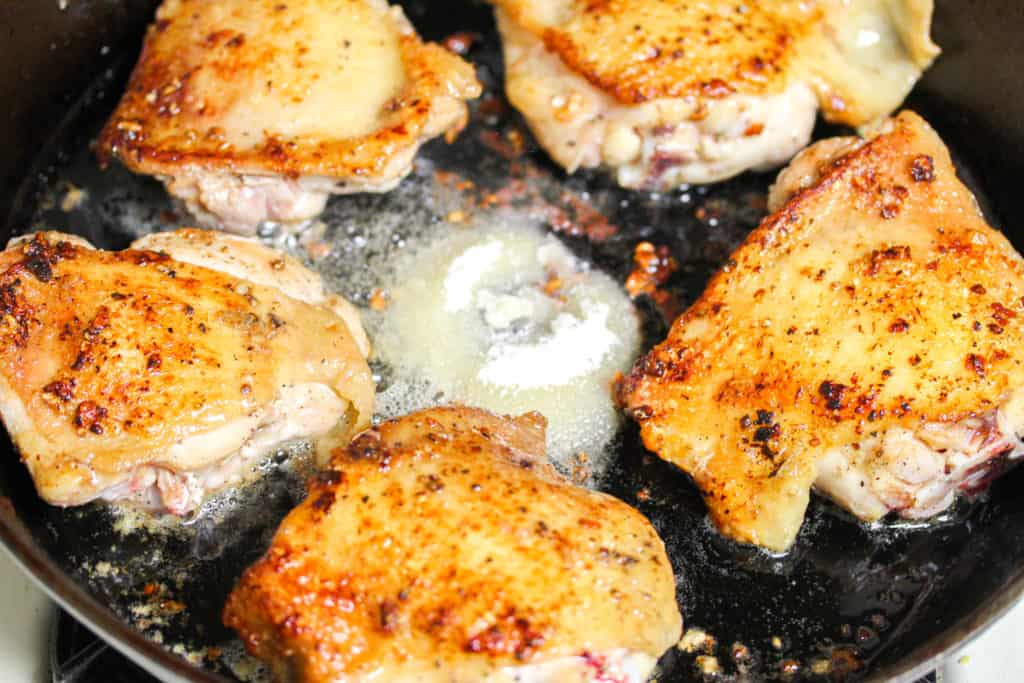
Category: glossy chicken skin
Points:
column 257, row 110
column 441, row 546
column 694, row 92
column 864, row 340
column 250, row 260
column 136, row 376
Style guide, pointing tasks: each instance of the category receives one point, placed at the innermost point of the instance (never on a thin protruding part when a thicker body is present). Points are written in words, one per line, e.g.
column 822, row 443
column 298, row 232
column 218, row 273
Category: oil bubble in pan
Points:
column 845, row 601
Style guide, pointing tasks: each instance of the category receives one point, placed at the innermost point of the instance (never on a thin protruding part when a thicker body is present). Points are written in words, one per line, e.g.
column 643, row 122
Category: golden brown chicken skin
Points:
column 135, row 376
column 441, row 546
column 864, row 340
column 667, row 93
column 257, row 110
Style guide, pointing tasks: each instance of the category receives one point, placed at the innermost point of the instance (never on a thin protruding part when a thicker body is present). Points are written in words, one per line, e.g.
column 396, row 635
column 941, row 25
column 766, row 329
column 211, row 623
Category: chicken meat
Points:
column 442, row 547
column 664, row 94
column 255, row 111
column 163, row 373
column 863, row 341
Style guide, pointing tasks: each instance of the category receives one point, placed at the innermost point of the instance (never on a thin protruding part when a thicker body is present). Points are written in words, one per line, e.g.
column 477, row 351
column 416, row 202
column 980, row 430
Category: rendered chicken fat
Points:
column 509, row 320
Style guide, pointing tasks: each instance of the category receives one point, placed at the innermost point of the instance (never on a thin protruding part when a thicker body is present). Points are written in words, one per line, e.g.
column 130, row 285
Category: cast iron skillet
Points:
column 883, row 605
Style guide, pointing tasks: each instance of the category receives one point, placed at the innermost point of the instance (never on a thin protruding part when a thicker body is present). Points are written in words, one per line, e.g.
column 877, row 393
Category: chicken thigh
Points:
column 258, row 110
column 160, row 374
column 664, row 94
column 442, row 547
column 864, row 340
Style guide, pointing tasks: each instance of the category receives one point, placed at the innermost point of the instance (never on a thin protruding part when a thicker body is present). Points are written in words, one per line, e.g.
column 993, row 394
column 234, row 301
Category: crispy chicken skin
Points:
column 257, row 110
column 248, row 259
column 864, row 340
column 140, row 376
column 664, row 94
column 442, row 547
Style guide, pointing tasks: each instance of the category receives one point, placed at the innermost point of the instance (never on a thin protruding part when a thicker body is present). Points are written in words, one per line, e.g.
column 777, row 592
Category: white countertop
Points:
column 24, row 626
column 28, row 613
column 995, row 656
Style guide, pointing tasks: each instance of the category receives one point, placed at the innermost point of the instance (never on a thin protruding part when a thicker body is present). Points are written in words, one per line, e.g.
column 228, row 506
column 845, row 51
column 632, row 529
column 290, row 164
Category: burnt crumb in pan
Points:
column 844, row 602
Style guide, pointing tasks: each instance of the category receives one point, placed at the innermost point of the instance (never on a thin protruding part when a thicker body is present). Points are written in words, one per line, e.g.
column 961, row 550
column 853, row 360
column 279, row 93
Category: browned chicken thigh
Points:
column 441, row 547
column 258, row 110
column 158, row 377
column 670, row 93
column 865, row 340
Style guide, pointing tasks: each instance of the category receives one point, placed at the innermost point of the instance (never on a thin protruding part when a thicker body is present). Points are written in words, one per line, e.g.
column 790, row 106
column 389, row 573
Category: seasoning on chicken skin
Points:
column 442, row 547
column 258, row 110
column 142, row 377
column 664, row 94
column 864, row 340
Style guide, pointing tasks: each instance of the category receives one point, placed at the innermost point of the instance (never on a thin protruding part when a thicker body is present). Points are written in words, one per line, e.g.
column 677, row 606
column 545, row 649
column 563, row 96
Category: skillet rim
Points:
column 69, row 595
column 36, row 563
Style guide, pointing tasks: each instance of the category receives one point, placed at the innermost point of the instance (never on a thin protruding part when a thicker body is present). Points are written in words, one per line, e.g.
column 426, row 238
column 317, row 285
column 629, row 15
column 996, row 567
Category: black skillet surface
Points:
column 876, row 603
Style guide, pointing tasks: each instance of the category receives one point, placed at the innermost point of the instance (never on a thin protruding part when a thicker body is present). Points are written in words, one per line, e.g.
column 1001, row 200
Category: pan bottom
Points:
column 846, row 603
